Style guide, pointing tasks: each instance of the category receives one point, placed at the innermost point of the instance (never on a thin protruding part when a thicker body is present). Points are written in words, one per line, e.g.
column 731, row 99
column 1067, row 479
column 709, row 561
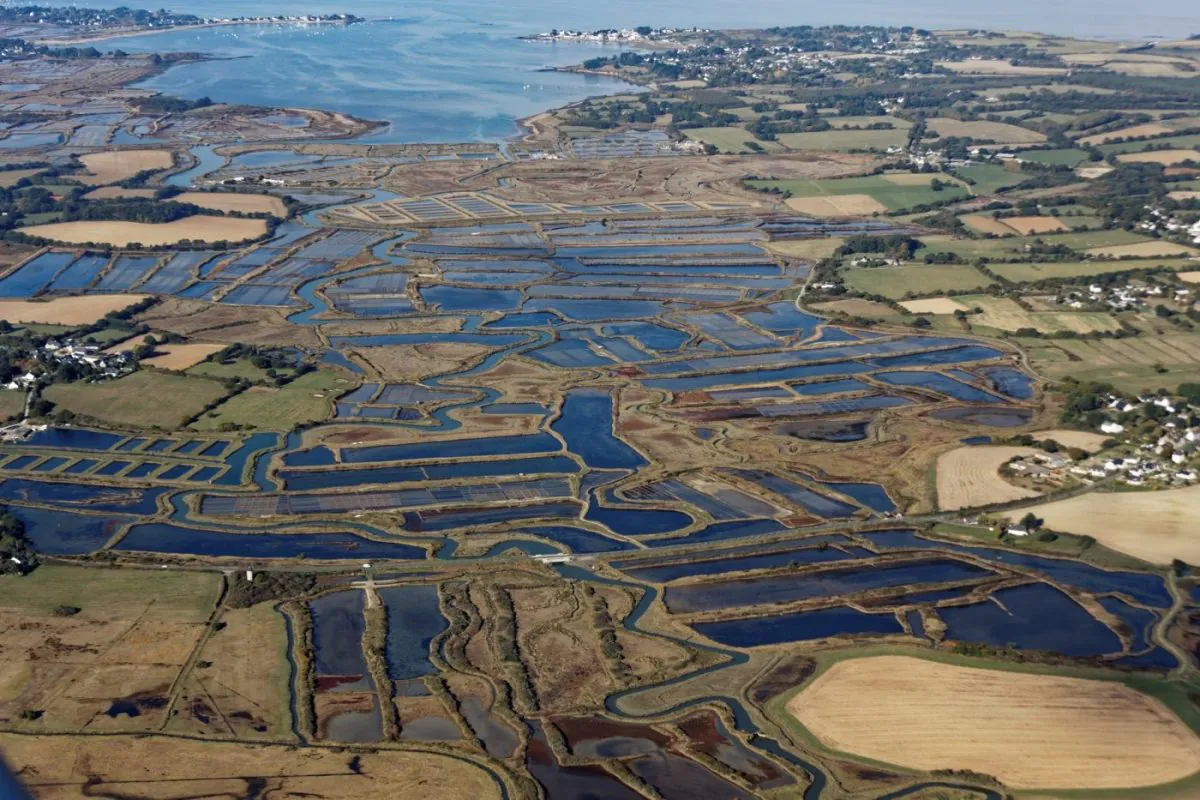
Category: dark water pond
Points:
column 831, row 583
column 414, row 618
column 798, row 627
column 337, row 632
column 161, row 537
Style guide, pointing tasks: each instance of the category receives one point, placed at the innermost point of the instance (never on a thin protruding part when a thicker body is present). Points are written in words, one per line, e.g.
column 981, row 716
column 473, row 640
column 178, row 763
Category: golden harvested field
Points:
column 846, row 205
column 1160, row 157
column 1153, row 526
column 1144, row 249
column 132, row 767
column 1004, row 314
column 985, row 224
column 970, row 476
column 117, row 192
column 997, row 66
column 173, row 356
column 66, row 310
column 1184, row 195
column 1190, row 277
column 112, row 166
column 1136, row 132
column 934, row 305
column 122, row 234
column 807, row 248
column 230, row 201
column 1030, row 731
column 1028, row 226
column 12, row 176
column 1000, row 132
column 855, row 307
column 1085, row 440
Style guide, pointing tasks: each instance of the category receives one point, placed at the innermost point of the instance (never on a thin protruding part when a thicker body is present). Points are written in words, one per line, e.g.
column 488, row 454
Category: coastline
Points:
column 101, row 36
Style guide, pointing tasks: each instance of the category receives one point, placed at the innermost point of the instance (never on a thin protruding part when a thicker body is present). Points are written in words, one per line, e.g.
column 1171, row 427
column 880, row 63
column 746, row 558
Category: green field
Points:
column 728, row 140
column 919, row 279
column 1061, row 157
column 1026, row 273
column 1130, row 364
column 844, row 141
column 891, row 193
column 990, row 178
column 1013, row 246
column 240, row 368
column 145, row 399
column 1183, row 142
column 12, row 403
column 308, row 398
column 168, row 594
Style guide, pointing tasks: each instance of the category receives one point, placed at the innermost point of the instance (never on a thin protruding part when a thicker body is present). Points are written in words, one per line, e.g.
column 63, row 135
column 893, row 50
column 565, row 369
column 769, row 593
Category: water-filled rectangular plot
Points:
column 80, row 466
column 158, row 537
column 339, row 246
column 776, row 558
column 724, row 503
column 446, row 520
column 112, row 467
column 177, row 272
column 849, row 405
column 586, row 424
column 73, row 439
column 454, row 298
column 79, row 275
column 50, row 464
column 408, row 394
column 699, row 294
column 143, row 470
column 83, row 496
column 427, row 210
column 794, row 492
column 175, row 472
column 1031, row 617
column 714, row 595
column 311, row 480
column 125, row 272
column 375, row 283
column 538, row 488
column 799, row 627
column 204, row 474
column 846, row 385
column 414, row 618
column 727, row 331
column 35, row 275
column 957, row 355
column 293, row 271
column 596, row 310
column 337, row 631
column 201, row 290
column 571, row 354
column 652, row 251
column 254, row 294
column 248, row 262
column 476, row 206
column 936, row 382
column 1143, row 587
column 1010, row 382
column 648, row 334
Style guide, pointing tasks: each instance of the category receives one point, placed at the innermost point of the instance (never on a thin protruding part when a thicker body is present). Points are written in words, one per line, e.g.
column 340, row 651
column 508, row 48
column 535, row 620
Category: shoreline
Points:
column 102, row 36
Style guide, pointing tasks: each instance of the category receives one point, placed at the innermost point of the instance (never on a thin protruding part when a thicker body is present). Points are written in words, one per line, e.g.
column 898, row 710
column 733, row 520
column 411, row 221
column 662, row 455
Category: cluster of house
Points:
column 612, row 35
column 102, row 364
column 1121, row 298
column 1162, row 222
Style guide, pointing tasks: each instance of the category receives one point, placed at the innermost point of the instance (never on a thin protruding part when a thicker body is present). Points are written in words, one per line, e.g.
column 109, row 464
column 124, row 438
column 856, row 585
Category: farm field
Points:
column 241, row 368
column 306, row 399
column 12, row 403
column 1060, row 157
column 70, row 311
column 999, row 132
column 133, row 632
column 982, row 223
column 88, row 764
column 896, row 282
column 845, row 140
column 1031, row 731
column 1154, row 526
column 935, row 305
column 112, row 166
column 1005, row 314
column 123, row 234
column 1085, row 440
column 997, row 66
column 1014, row 246
column 174, row 356
column 1029, row 273
column 847, row 205
column 807, row 248
column 233, row 201
column 10, row 177
column 1167, row 144
column 141, row 400
column 1167, row 157
column 1144, row 250
column 729, row 140
column 894, row 192
column 1027, row 226
column 990, row 178
column 970, row 476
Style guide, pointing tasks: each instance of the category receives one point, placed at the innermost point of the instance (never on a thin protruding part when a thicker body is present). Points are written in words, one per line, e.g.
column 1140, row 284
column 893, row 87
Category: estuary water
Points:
column 454, row 70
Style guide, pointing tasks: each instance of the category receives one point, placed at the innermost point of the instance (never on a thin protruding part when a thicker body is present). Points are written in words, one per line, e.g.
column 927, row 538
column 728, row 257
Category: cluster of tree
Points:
column 165, row 104
column 896, row 245
column 268, row 586
column 17, row 556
